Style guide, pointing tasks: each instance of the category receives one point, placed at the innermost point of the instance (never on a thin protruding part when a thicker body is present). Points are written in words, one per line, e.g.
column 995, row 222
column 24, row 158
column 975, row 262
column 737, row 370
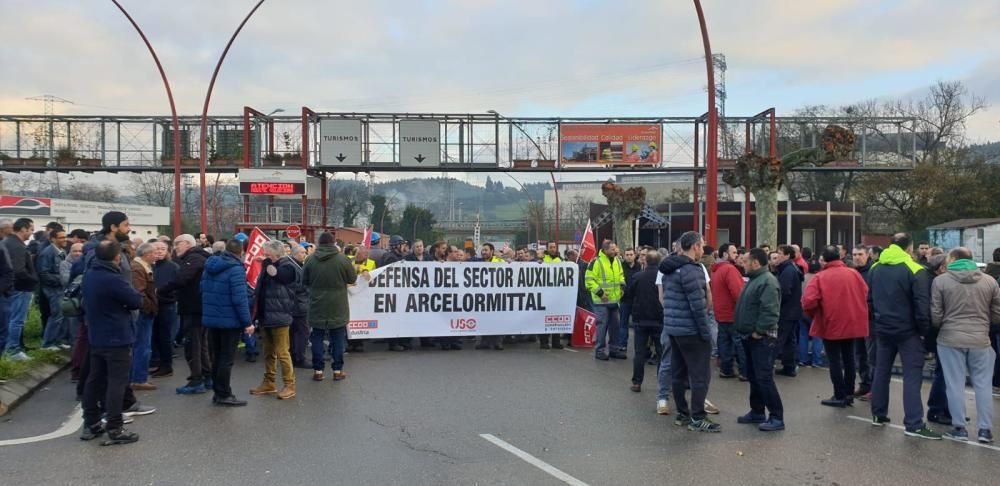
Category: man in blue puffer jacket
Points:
column 685, row 323
column 225, row 310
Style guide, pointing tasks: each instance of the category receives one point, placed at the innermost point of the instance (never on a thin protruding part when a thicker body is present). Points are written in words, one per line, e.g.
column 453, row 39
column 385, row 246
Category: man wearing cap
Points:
column 396, row 253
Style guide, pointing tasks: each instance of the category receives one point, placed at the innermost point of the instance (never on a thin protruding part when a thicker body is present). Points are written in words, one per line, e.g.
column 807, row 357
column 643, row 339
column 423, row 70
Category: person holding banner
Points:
column 486, row 342
column 396, row 253
column 275, row 302
column 358, row 255
column 551, row 256
column 605, row 280
column 325, row 277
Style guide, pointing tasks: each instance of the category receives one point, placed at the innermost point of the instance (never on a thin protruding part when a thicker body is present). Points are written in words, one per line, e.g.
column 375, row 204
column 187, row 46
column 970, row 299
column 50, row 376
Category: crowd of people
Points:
column 123, row 304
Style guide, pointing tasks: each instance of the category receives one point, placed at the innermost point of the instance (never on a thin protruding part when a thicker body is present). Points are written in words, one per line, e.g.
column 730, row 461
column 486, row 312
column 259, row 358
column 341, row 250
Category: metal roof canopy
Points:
column 471, row 142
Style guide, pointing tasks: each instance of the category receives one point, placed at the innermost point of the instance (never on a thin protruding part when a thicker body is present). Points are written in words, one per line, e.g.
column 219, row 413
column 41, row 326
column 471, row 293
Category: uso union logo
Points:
column 362, row 325
column 463, row 324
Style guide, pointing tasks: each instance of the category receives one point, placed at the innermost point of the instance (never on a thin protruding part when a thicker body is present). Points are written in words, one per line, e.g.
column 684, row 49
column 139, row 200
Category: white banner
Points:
column 416, row 299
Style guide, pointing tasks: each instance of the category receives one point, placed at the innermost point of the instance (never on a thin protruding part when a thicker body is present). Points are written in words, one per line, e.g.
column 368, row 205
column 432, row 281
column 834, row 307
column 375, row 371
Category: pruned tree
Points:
column 625, row 205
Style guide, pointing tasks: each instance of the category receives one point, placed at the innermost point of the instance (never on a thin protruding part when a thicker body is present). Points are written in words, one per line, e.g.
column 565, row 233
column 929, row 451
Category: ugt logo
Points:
column 463, row 324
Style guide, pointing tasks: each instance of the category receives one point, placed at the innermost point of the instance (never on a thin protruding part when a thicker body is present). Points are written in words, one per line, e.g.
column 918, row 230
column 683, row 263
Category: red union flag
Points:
column 254, row 255
column 368, row 236
column 584, row 329
column 588, row 247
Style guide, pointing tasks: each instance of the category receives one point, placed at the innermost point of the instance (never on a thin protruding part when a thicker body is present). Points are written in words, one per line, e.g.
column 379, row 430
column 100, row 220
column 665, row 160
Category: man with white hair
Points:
column 187, row 283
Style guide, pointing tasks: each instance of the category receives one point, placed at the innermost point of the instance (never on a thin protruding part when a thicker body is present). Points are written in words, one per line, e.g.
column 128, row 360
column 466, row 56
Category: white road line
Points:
column 900, row 381
column 570, row 350
column 71, row 425
column 534, row 461
column 972, row 440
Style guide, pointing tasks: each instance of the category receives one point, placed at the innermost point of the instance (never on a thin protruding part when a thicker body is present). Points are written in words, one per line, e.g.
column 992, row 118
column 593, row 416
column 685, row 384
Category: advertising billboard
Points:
column 610, row 144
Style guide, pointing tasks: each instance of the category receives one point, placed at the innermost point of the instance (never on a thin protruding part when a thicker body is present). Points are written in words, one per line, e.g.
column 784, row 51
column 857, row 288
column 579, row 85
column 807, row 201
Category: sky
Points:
column 519, row 57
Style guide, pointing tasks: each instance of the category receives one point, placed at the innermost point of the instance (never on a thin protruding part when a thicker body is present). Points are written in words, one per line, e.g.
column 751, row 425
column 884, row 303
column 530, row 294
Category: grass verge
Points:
column 32, row 339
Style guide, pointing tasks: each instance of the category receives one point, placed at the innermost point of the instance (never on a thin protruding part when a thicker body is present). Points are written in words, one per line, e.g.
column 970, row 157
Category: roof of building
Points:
column 966, row 223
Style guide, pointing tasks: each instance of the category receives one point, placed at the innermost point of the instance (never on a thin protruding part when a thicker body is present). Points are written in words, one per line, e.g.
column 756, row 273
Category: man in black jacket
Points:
column 864, row 348
column 164, row 272
column 191, row 259
column 25, row 284
column 790, row 278
column 647, row 311
column 395, row 254
column 630, row 267
column 900, row 300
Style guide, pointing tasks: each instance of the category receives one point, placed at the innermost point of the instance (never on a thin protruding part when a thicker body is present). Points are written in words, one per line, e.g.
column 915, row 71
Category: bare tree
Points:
column 153, row 188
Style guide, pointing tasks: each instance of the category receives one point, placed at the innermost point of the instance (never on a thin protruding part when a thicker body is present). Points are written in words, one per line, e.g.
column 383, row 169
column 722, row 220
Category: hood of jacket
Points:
column 325, row 252
column 964, row 271
column 894, row 255
column 674, row 262
column 221, row 262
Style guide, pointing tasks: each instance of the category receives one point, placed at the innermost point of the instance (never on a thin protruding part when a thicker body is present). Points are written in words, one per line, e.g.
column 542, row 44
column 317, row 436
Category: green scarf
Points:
column 963, row 264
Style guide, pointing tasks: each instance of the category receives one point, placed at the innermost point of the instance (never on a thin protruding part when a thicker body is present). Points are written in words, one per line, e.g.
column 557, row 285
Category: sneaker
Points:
column 602, row 357
column 996, row 392
column 619, row 355
column 835, row 402
column 208, row 383
column 20, row 356
column 229, row 401
column 138, row 409
column 120, row 436
column 744, row 379
column 939, row 419
column 91, row 432
column 861, row 391
column 636, row 387
column 162, row 373
column 125, row 420
column 682, row 419
column 53, row 348
column 923, row 433
column 866, row 397
column 723, row 374
column 957, row 433
column 751, row 418
column 710, row 408
column 772, row 425
column 880, row 421
column 985, row 436
column 65, row 347
column 704, row 425
column 662, row 407
column 192, row 389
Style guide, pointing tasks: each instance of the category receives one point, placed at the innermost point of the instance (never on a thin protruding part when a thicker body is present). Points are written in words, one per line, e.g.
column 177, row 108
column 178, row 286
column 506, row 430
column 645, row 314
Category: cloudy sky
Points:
column 522, row 58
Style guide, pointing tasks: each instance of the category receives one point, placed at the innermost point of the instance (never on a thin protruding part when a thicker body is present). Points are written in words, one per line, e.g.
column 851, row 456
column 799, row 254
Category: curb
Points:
column 16, row 391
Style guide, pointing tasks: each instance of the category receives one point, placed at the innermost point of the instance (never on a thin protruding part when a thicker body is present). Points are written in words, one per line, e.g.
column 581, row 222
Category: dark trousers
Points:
column 995, row 342
column 299, row 340
column 337, row 339
column 43, row 309
column 550, row 339
column 840, row 354
column 911, row 353
column 787, row 343
column 641, row 347
column 764, row 395
column 163, row 341
column 222, row 343
column 937, row 399
column 730, row 349
column 690, row 364
column 81, row 346
column 864, row 356
column 106, row 383
column 196, row 349
column 406, row 343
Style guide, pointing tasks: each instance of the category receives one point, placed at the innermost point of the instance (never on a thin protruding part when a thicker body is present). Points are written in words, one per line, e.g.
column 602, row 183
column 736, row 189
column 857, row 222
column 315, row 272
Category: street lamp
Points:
column 276, row 110
column 541, row 153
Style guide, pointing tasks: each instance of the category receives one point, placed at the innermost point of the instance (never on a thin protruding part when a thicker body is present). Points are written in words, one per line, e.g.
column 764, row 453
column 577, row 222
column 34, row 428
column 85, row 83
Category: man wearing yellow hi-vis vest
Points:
column 605, row 281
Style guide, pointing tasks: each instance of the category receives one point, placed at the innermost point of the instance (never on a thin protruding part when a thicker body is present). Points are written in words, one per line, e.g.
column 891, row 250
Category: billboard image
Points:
column 612, row 144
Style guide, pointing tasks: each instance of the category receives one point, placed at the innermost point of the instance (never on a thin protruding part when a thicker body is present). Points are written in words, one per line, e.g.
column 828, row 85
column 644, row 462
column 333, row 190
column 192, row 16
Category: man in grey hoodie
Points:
column 964, row 302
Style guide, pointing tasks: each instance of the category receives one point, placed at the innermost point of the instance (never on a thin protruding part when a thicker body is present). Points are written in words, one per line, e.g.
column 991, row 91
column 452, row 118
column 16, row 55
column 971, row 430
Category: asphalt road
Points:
column 419, row 418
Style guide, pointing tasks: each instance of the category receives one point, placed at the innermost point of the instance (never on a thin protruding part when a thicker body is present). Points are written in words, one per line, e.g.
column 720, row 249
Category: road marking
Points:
column 900, row 381
column 534, row 461
column 70, row 426
column 972, row 440
column 570, row 350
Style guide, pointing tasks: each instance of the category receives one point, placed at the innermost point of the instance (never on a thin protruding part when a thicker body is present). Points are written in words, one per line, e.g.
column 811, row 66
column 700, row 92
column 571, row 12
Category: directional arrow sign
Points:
column 339, row 142
column 419, row 143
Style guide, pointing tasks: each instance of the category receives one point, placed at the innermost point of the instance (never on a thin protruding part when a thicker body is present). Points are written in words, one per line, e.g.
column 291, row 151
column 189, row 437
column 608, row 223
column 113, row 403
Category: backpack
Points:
column 72, row 300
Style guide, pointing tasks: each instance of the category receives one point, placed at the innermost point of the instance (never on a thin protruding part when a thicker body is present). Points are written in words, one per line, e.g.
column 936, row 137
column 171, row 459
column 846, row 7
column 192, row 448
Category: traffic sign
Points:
column 293, row 231
column 419, row 143
column 339, row 142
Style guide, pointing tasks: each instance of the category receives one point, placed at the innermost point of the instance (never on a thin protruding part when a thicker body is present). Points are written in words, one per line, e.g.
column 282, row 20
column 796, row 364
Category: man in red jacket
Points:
column 727, row 283
column 837, row 300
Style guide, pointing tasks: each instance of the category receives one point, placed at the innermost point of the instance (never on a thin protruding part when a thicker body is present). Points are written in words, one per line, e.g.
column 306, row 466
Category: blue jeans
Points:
column 806, row 342
column 607, row 328
column 18, row 312
column 978, row 364
column 250, row 344
column 624, row 315
column 760, row 371
column 56, row 331
column 141, row 348
column 663, row 373
column 3, row 323
column 730, row 349
column 338, row 339
column 937, row 399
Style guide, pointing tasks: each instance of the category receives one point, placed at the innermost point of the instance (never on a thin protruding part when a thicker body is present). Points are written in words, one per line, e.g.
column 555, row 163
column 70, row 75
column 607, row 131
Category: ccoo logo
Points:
column 463, row 324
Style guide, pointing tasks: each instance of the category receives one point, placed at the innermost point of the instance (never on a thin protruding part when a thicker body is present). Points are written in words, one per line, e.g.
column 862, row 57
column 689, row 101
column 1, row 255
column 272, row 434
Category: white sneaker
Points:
column 52, row 348
column 19, row 357
column 662, row 408
column 65, row 347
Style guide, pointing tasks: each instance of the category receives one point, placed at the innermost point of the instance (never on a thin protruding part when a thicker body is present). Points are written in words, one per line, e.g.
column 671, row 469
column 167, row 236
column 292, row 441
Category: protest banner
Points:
column 419, row 299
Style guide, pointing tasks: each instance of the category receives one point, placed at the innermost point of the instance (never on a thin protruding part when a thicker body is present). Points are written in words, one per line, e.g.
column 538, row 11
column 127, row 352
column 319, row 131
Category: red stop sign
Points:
column 293, row 231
